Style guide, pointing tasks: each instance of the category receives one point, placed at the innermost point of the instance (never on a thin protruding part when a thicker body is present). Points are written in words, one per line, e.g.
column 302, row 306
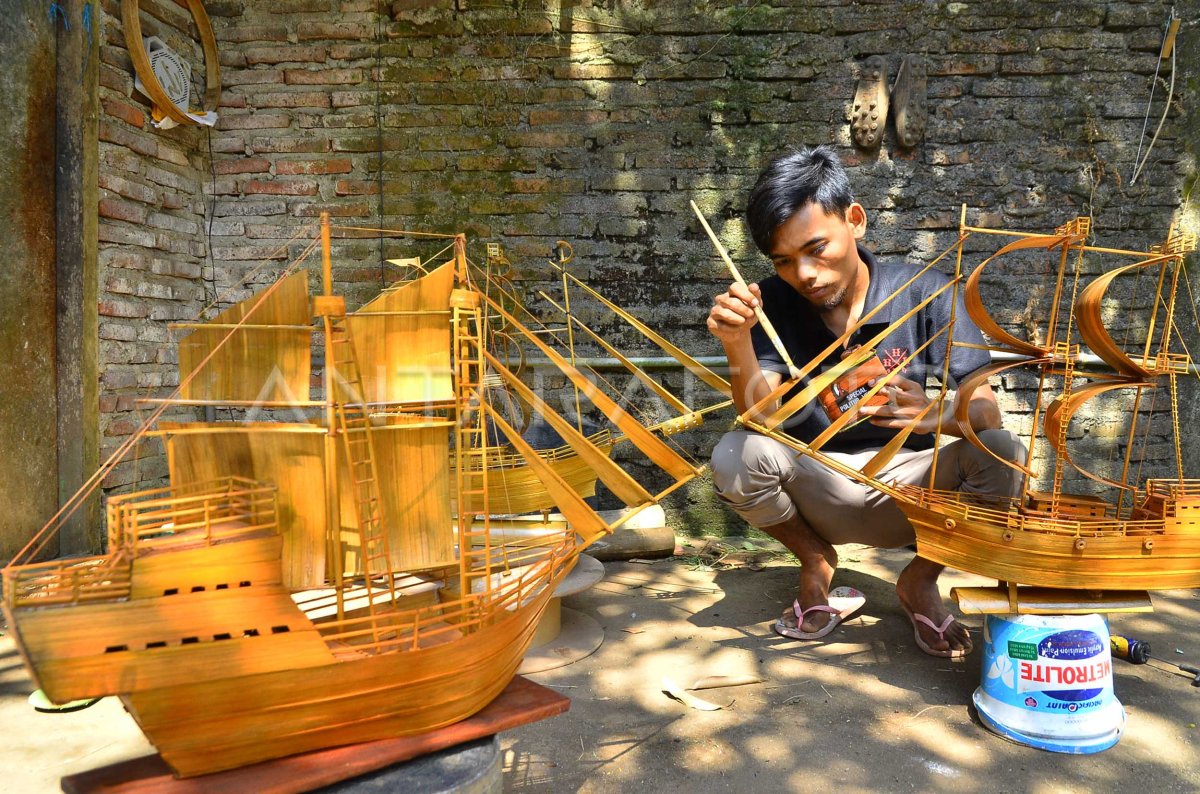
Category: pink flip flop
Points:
column 843, row 602
column 950, row 653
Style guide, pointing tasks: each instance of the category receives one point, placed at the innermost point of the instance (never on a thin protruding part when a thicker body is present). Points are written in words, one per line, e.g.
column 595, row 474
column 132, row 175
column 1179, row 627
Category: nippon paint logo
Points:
column 1070, row 665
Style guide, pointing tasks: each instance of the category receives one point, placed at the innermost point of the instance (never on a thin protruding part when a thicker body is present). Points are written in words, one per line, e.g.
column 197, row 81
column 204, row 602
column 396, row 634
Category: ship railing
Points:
column 953, row 506
column 427, row 625
column 1173, row 489
column 1178, row 363
column 75, row 581
column 201, row 513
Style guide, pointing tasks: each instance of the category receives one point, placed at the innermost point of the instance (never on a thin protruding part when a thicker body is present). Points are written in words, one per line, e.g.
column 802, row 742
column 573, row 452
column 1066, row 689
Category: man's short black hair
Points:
column 806, row 175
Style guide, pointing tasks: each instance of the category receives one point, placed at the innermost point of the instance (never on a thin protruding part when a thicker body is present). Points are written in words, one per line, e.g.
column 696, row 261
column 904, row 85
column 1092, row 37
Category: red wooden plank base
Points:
column 520, row 703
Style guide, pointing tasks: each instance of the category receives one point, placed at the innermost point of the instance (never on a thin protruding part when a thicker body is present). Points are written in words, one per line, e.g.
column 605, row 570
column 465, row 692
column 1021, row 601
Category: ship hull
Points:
column 1149, row 555
column 212, row 696
column 216, row 725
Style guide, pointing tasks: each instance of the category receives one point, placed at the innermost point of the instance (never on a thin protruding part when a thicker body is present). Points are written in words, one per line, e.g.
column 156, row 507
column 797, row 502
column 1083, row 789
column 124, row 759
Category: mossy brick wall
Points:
column 152, row 246
column 595, row 122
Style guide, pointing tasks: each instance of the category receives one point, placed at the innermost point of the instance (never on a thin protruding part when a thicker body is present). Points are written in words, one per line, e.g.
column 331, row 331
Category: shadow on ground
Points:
column 862, row 710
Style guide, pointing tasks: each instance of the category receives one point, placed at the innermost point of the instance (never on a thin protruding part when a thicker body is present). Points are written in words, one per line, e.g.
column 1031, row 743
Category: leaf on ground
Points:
column 672, row 689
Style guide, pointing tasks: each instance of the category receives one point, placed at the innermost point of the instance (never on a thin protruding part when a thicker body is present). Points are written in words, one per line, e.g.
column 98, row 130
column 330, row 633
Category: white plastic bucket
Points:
column 1047, row 682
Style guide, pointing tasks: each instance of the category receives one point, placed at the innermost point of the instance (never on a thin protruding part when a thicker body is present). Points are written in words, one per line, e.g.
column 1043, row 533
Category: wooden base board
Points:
column 1048, row 601
column 522, row 702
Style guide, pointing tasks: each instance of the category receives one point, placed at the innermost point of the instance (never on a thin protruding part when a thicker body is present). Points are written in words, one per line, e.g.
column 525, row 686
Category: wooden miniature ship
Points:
column 1147, row 534
column 334, row 577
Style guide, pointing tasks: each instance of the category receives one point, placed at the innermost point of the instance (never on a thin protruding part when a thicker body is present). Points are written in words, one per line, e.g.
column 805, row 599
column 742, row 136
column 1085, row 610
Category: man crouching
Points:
column 803, row 217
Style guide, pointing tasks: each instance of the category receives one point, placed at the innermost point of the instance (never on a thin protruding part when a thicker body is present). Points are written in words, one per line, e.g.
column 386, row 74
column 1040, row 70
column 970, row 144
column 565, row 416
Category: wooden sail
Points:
column 1063, row 407
column 980, row 314
column 962, row 405
column 287, row 455
column 412, row 456
column 268, row 360
column 402, row 339
column 1089, row 312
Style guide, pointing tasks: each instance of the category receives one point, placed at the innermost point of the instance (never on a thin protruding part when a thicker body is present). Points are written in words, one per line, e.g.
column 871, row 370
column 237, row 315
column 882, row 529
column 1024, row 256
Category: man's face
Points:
column 815, row 253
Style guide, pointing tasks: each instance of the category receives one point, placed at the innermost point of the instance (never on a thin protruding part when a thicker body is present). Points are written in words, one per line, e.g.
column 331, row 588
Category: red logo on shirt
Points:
column 894, row 357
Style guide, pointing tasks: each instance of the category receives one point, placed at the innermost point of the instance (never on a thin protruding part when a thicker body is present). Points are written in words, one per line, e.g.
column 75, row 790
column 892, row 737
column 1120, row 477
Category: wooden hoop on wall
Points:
column 132, row 23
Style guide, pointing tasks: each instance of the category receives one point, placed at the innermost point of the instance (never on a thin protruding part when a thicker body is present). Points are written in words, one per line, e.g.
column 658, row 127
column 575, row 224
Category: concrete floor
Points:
column 863, row 710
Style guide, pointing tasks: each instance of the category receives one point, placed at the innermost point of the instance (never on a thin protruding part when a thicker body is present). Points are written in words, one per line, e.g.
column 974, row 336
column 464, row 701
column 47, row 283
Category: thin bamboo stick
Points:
column 793, row 371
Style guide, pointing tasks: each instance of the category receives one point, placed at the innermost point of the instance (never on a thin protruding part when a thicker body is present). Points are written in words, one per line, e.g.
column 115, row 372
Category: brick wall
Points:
column 596, row 122
column 152, row 211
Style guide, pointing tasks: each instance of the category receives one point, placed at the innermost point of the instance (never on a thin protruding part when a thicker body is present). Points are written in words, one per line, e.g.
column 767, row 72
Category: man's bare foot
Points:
column 919, row 595
column 816, row 573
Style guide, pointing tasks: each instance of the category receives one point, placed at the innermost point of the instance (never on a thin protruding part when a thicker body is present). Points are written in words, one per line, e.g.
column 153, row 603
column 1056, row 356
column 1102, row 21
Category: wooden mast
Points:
column 333, row 521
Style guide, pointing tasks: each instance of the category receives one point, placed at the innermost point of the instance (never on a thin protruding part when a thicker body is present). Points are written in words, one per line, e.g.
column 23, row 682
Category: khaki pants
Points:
column 766, row 483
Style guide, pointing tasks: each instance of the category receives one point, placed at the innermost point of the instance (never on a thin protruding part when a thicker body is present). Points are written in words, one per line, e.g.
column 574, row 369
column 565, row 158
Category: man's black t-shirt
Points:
column 804, row 336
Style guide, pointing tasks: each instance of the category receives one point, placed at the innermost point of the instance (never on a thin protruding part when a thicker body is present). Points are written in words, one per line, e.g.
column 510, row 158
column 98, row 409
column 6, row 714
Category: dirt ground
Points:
column 862, row 710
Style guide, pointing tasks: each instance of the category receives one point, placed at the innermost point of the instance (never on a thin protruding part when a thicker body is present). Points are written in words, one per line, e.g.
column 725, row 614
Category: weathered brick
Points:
column 338, row 210
column 571, row 117
column 171, row 154
column 131, row 259
column 252, row 253
column 123, row 136
column 162, row 220
column 442, row 28
column 291, row 54
column 351, row 99
column 356, row 52
column 239, row 33
column 290, row 145
column 229, row 145
column 254, row 121
column 315, row 167
column 116, row 307
column 506, row 71
column 318, row 76
column 250, row 208
column 314, row 31
column 355, row 187
column 127, row 188
column 122, row 210
column 125, row 112
column 235, row 77
column 297, row 187
column 108, row 233
column 227, row 228
column 116, row 79
column 531, row 25
column 242, row 165
column 172, row 179
column 292, row 99
column 348, row 120
column 536, row 139
column 593, row 71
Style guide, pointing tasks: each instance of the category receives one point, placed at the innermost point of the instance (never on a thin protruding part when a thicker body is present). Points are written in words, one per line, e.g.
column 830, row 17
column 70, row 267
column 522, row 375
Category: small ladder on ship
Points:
column 358, row 443
column 471, row 458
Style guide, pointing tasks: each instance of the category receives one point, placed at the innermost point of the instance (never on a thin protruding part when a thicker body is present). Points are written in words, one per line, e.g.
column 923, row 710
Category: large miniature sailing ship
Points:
column 1141, row 534
column 336, row 576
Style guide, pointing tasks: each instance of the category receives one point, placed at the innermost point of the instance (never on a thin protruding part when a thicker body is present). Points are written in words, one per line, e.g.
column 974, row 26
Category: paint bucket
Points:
column 1047, row 682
